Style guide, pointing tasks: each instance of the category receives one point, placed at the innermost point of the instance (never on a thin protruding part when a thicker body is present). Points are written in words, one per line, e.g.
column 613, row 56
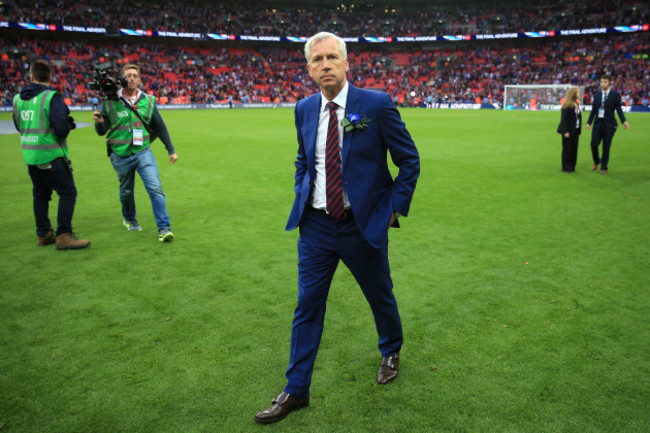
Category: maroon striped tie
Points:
column 334, row 179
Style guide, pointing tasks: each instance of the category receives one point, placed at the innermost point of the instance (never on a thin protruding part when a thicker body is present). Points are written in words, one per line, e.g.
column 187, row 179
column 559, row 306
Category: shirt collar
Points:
column 339, row 100
column 137, row 95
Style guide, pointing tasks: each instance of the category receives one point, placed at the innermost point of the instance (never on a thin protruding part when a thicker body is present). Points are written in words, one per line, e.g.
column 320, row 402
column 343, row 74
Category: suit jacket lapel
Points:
column 352, row 105
column 312, row 113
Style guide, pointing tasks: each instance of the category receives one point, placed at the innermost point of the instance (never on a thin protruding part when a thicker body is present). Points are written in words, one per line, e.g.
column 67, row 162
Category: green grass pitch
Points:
column 524, row 291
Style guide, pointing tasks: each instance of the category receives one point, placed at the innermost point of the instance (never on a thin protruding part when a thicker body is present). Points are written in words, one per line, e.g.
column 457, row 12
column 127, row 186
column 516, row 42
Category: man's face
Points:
column 133, row 79
column 327, row 66
column 604, row 84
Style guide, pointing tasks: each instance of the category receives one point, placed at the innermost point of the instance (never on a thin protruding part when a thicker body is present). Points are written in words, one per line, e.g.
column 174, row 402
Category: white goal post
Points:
column 536, row 96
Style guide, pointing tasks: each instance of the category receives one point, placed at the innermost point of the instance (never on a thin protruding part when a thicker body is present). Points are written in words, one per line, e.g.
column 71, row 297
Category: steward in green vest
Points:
column 128, row 140
column 39, row 140
column 44, row 122
column 123, row 137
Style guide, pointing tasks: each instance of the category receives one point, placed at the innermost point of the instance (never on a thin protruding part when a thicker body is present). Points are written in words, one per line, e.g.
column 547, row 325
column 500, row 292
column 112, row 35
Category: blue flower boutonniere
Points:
column 353, row 122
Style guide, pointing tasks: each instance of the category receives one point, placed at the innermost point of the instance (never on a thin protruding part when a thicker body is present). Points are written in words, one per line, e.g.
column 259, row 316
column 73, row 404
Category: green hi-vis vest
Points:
column 122, row 123
column 40, row 144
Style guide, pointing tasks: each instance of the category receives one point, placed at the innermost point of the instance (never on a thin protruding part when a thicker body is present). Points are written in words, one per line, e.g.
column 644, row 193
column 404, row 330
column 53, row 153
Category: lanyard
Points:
column 134, row 103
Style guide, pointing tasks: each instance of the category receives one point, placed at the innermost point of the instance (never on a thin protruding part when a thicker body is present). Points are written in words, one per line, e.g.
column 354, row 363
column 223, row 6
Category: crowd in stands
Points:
column 292, row 19
column 178, row 74
column 209, row 75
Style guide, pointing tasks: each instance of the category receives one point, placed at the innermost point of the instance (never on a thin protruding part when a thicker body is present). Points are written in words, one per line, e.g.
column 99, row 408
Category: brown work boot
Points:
column 69, row 241
column 46, row 240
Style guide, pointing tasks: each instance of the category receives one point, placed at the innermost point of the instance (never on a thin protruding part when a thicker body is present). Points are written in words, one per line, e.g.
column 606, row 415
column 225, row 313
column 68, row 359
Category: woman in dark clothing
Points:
column 570, row 128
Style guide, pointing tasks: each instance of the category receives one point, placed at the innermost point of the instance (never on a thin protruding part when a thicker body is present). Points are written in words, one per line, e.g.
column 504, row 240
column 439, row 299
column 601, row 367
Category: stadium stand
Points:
column 213, row 72
column 285, row 18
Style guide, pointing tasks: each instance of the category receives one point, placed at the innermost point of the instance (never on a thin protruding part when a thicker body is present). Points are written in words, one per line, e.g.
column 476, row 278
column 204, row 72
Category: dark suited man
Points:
column 346, row 199
column 606, row 101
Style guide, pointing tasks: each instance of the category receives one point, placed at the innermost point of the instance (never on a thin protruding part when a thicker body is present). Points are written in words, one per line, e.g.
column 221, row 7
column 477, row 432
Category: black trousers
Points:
column 569, row 153
column 57, row 178
column 601, row 132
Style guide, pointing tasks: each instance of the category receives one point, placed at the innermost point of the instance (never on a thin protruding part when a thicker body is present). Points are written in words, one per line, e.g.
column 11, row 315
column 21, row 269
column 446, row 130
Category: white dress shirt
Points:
column 319, row 195
column 132, row 99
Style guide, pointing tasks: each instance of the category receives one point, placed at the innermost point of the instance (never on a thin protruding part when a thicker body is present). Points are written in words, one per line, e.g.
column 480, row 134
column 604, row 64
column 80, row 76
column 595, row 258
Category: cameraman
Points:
column 42, row 118
column 128, row 140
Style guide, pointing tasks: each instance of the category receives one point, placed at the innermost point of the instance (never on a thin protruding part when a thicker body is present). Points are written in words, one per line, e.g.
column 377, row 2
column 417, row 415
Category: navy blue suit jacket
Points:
column 373, row 193
column 612, row 103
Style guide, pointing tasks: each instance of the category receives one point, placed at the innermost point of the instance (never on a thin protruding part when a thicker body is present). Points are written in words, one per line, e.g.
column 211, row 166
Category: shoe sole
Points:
column 168, row 237
column 73, row 248
column 278, row 418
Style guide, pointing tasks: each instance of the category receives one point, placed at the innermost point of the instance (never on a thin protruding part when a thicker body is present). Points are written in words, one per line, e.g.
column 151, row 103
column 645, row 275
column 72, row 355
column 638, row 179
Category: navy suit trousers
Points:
column 604, row 133
column 323, row 242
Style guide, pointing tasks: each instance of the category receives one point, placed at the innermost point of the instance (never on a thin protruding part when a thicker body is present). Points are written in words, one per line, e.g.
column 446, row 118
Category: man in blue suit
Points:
column 606, row 101
column 346, row 199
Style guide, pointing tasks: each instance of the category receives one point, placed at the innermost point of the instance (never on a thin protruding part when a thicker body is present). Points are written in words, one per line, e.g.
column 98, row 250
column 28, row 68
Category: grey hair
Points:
column 318, row 37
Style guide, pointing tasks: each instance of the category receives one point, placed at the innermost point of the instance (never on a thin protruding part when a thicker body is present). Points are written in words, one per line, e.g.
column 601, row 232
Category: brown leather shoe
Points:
column 594, row 167
column 388, row 370
column 46, row 240
column 69, row 241
column 603, row 171
column 282, row 406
